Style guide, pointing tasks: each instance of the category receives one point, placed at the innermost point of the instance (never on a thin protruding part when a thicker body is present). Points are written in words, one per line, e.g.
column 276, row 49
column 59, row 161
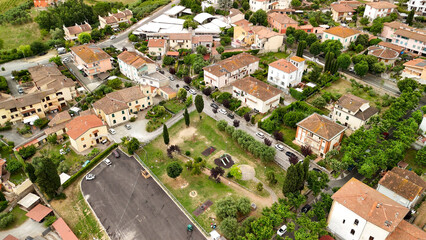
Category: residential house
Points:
column 86, row 131
column 235, row 15
column 228, row 70
column 71, row 33
column 281, row 21
column 407, row 231
column 45, row 3
column 180, row 41
column 403, row 186
column 416, row 69
column 341, row 11
column 202, row 40
column 29, row 107
column 57, row 124
column 353, row 4
column 257, row 37
column 117, row 107
column 320, row 133
column 343, row 34
column 63, row 230
column 167, row 92
column 286, row 73
column 360, row 212
column 391, row 46
column 418, row 6
column 91, row 59
column 157, row 47
column 256, row 94
column 115, row 19
column 374, row 10
column 136, row 66
column 385, row 55
column 267, row 5
column 352, row 111
column 48, row 76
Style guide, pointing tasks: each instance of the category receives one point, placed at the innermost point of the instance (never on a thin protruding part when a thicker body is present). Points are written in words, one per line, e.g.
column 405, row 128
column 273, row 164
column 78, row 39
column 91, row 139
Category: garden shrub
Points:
column 221, row 125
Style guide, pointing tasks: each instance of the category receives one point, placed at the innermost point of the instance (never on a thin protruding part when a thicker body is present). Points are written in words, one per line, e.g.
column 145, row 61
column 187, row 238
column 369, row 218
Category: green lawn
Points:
column 19, row 218
column 14, row 36
column 8, row 4
column 174, row 105
column 155, row 123
column 410, row 158
column 271, row 57
column 195, row 139
column 18, row 177
column 289, row 135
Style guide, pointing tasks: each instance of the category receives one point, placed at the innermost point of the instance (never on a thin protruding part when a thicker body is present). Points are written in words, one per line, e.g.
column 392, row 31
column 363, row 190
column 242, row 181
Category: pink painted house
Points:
column 91, row 59
column 402, row 35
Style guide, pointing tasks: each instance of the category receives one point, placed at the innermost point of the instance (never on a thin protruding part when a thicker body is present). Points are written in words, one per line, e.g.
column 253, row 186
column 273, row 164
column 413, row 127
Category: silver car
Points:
column 223, row 111
column 279, row 147
column 260, row 135
column 90, row 177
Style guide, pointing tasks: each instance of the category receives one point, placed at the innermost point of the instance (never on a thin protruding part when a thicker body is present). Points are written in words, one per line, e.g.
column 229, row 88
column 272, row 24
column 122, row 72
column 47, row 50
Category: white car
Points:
column 112, row 131
column 279, row 147
column 260, row 135
column 108, row 162
column 90, row 177
column 112, row 37
column 192, row 91
column 128, row 127
column 282, row 230
column 223, row 111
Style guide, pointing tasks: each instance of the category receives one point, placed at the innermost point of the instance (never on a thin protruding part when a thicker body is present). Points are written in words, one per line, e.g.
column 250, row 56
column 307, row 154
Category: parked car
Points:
column 171, row 78
column 116, row 154
column 279, row 147
column 223, row 111
column 108, row 162
column 192, row 91
column 113, row 37
column 112, row 131
column 282, row 230
column 260, row 135
column 186, row 88
column 316, row 169
column 290, row 154
column 306, row 208
column 214, row 105
column 90, row 177
column 230, row 115
column 104, row 141
column 128, row 127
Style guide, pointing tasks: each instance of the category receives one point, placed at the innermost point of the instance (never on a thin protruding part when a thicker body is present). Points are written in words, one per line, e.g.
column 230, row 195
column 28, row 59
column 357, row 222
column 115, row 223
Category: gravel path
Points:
column 248, row 173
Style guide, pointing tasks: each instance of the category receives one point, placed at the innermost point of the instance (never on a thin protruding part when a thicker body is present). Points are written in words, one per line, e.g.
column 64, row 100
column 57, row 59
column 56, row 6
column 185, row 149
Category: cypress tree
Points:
column 186, row 116
column 47, row 176
column 29, row 168
column 166, row 135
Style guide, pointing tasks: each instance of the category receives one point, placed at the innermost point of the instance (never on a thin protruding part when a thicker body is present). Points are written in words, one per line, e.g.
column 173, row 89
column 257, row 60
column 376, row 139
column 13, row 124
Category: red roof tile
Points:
column 38, row 212
column 63, row 230
column 81, row 124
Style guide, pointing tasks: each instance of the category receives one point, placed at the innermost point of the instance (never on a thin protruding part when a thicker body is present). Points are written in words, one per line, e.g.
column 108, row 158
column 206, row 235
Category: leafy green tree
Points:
column 364, row 21
column 315, row 48
column 210, row 10
column 25, row 50
column 174, row 169
column 362, row 40
column 167, row 60
column 96, row 34
column 201, row 50
column 47, row 176
column 182, row 94
column 295, row 3
column 115, row 83
column 38, row 47
column 199, row 103
column 13, row 165
column 56, row 60
column 1, row 43
column 421, row 156
column 333, row 46
column 300, row 35
column 319, row 102
column 6, row 219
column 410, row 17
column 243, row 206
column 407, row 84
column 377, row 27
column 166, row 135
column 229, row 227
column 221, row 125
column 344, row 61
column 361, row 68
column 359, row 48
column 291, row 181
column 84, row 37
column 220, row 49
column 270, row 176
column 300, row 48
column 225, row 4
column 379, row 67
column 311, row 38
column 3, row 84
column 292, row 118
column 290, row 40
column 133, row 145
column 296, row 199
column 186, row 116
column 259, row 18
column 317, row 181
column 328, row 60
column 259, row 186
column 190, row 24
column 226, row 207
column 133, row 38
column 236, row 172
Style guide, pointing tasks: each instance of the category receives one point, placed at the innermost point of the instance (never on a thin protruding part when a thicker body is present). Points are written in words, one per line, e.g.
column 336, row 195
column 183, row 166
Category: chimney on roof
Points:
column 350, row 102
column 378, row 205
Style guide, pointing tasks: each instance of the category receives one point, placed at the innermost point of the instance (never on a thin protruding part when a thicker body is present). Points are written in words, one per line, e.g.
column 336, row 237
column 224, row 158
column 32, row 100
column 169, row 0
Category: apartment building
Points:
column 256, row 94
column 343, row 34
column 91, row 59
column 86, row 132
column 119, row 106
column 407, row 37
column 286, row 73
column 180, row 41
column 157, row 47
column 374, row 10
column 417, row 5
column 281, row 21
column 352, row 111
column 385, row 55
column 228, row 70
column 267, row 5
column 257, row 37
column 416, row 69
column 202, row 40
column 360, row 212
column 71, row 33
column 320, row 133
column 342, row 11
column 115, row 19
column 235, row 15
column 134, row 65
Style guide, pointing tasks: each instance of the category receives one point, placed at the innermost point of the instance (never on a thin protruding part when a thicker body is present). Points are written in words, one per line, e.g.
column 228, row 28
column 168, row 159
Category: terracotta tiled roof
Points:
column 158, row 43
column 256, row 88
column 63, row 230
column 410, row 176
column 282, row 18
column 110, row 19
column 168, row 89
column 383, row 53
column 342, row 32
column 407, row 231
column 396, row 25
column 90, row 53
column 81, row 124
column 353, row 4
column 418, row 63
column 297, row 59
column 391, row 46
column 371, row 205
column 38, row 212
column 171, row 53
column 412, row 35
column 60, row 118
column 231, row 64
column 27, row 99
column 73, row 30
column 180, row 36
column 48, row 76
column 242, row 22
column 202, row 38
column 264, row 32
column 117, row 101
column 119, row 15
column 401, row 186
column 283, row 65
column 54, row 129
column 326, row 237
column 85, row 27
column 307, row 26
column 233, row 12
column 342, row 8
column 321, row 126
column 10, row 237
column 366, row 114
column 134, row 59
column 351, row 102
column 127, row 12
column 381, row 5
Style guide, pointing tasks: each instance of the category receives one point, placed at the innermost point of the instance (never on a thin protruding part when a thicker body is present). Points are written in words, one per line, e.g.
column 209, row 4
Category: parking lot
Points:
column 132, row 207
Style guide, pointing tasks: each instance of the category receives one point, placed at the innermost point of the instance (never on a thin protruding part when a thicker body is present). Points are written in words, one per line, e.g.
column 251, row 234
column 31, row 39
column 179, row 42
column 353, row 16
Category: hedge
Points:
column 92, row 163
column 226, row 55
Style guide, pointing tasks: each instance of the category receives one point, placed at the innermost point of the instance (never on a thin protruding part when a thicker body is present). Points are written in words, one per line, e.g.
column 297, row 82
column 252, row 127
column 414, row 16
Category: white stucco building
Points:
column 256, row 94
column 228, row 70
column 157, row 47
column 417, row 5
column 403, row 186
column 342, row 34
column 374, row 10
column 267, row 5
column 134, row 65
column 352, row 111
column 286, row 74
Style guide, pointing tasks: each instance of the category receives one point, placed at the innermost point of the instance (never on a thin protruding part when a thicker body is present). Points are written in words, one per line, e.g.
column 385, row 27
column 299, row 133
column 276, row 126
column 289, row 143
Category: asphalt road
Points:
column 132, row 207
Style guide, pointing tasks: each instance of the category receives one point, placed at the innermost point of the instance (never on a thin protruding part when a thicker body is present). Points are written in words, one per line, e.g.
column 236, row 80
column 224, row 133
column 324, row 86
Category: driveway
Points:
column 132, row 207
column 28, row 228
column 14, row 136
column 90, row 84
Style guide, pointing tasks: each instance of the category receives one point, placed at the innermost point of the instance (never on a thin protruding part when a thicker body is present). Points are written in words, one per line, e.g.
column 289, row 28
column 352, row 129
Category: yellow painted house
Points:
column 86, row 131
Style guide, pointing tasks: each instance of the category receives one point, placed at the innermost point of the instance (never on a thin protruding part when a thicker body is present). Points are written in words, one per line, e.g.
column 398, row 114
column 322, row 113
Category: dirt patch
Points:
column 420, row 220
column 225, row 162
column 177, row 183
column 248, row 172
column 185, row 134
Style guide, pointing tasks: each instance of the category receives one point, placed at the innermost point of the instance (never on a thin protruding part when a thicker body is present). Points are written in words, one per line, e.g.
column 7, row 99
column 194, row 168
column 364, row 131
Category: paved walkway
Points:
column 248, row 173
column 28, row 228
